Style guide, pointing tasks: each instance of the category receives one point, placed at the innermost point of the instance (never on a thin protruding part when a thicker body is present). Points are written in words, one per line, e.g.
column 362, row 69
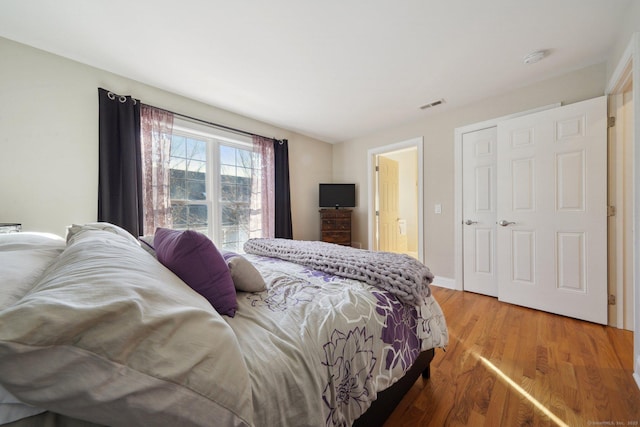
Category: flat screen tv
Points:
column 337, row 195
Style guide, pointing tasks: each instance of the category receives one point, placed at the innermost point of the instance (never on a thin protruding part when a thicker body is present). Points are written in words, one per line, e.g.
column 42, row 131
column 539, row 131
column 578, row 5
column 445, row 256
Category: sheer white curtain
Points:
column 262, row 217
column 156, row 129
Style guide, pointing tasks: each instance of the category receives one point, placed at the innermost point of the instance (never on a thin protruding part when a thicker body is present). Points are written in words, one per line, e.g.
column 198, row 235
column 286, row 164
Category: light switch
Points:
column 438, row 208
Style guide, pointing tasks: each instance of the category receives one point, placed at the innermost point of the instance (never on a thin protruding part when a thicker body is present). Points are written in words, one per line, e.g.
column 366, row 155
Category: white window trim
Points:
column 206, row 131
column 214, row 138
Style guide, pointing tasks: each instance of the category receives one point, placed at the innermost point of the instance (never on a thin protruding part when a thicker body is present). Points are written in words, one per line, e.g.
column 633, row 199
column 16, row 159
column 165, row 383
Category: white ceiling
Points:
column 332, row 69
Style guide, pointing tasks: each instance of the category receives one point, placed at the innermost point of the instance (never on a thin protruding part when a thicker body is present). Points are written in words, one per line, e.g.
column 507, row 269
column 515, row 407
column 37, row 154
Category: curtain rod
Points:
column 229, row 128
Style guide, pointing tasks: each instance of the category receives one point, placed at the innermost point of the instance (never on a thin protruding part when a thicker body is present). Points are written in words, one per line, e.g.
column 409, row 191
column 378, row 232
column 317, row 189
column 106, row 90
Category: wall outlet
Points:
column 438, row 208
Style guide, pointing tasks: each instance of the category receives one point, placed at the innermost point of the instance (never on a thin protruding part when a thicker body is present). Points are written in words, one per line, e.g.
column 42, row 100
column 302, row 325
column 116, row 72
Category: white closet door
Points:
column 479, row 211
column 552, row 237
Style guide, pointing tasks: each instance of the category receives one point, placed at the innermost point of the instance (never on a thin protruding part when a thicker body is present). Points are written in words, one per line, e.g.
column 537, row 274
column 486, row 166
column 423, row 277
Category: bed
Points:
column 102, row 329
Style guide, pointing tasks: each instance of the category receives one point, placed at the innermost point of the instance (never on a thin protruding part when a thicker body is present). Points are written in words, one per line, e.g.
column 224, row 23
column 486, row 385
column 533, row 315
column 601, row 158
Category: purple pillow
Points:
column 193, row 257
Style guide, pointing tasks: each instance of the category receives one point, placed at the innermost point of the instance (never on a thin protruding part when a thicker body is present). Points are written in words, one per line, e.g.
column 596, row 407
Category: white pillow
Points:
column 245, row 276
column 24, row 257
column 76, row 229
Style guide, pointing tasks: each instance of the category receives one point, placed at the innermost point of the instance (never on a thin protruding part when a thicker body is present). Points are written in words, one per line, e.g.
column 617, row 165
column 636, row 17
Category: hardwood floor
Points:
column 511, row 366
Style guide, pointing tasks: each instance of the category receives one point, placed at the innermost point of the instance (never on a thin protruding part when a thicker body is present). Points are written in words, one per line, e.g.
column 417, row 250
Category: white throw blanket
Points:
column 405, row 277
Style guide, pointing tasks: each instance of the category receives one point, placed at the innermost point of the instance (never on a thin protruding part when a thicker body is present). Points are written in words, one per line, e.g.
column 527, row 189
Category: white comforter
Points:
column 111, row 336
column 107, row 334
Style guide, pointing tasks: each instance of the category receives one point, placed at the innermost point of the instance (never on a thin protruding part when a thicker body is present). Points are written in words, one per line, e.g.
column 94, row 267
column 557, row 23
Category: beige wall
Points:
column 629, row 25
column 49, row 141
column 350, row 158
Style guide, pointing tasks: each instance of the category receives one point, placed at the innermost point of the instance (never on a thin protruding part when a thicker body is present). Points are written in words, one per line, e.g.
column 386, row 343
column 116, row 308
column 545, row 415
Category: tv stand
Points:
column 336, row 226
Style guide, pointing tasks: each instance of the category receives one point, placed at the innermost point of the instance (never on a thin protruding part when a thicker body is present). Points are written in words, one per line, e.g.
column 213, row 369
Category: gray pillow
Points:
column 245, row 276
column 147, row 244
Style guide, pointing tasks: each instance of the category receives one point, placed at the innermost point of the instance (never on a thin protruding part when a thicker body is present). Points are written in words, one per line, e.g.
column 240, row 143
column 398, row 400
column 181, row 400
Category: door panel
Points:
column 479, row 208
column 483, row 251
column 523, row 256
column 523, row 181
column 552, row 178
column 571, row 265
column 389, row 182
column 571, row 179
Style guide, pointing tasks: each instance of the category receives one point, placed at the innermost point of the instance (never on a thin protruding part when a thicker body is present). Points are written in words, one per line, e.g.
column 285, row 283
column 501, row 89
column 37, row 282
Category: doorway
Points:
column 621, row 83
column 620, row 198
column 396, row 220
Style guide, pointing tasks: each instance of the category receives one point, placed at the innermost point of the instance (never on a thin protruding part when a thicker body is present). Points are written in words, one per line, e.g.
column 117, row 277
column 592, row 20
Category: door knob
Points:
column 504, row 223
column 469, row 222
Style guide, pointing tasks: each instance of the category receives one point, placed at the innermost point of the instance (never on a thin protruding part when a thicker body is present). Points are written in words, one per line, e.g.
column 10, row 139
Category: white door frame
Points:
column 631, row 56
column 457, row 183
column 418, row 143
column 615, row 100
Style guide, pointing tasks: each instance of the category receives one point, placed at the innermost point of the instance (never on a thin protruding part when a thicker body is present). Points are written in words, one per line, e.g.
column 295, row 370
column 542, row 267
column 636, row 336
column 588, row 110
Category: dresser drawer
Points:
column 336, row 226
column 328, row 224
column 341, row 238
column 342, row 224
column 337, row 213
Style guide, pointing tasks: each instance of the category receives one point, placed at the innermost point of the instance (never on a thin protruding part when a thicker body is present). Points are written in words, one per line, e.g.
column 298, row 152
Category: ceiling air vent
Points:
column 534, row 57
column 432, row 104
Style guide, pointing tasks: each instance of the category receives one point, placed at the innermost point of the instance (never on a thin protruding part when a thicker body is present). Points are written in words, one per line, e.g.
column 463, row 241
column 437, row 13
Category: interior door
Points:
column 479, row 181
column 388, row 180
column 552, row 210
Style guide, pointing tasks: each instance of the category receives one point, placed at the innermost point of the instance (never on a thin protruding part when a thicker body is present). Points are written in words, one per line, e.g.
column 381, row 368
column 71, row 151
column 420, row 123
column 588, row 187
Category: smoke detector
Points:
column 534, row 57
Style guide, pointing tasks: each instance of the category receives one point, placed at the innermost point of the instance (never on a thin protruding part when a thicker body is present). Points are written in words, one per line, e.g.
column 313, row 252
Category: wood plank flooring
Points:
column 507, row 365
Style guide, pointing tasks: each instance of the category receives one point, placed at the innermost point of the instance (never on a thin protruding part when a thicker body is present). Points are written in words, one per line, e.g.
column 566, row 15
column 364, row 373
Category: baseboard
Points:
column 444, row 282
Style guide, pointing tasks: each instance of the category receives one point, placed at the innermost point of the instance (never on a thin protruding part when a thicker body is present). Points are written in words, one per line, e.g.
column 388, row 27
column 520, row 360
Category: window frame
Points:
column 214, row 138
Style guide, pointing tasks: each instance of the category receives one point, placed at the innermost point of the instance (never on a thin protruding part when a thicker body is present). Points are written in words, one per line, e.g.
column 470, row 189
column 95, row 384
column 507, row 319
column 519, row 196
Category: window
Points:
column 212, row 176
column 236, row 170
column 188, row 183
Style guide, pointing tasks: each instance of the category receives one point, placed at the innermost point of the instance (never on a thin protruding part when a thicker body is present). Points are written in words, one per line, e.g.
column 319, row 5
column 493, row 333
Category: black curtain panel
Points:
column 120, row 172
column 283, row 228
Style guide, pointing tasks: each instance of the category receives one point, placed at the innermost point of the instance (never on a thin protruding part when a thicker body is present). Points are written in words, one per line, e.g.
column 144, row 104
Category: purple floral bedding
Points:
column 96, row 329
column 320, row 347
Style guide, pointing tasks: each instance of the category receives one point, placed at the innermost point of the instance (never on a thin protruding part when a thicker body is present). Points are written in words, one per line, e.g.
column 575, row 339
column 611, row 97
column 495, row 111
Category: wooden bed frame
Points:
column 388, row 399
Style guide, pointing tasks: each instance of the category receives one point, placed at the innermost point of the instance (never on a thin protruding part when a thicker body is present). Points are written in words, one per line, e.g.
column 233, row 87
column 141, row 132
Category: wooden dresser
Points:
column 336, row 226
